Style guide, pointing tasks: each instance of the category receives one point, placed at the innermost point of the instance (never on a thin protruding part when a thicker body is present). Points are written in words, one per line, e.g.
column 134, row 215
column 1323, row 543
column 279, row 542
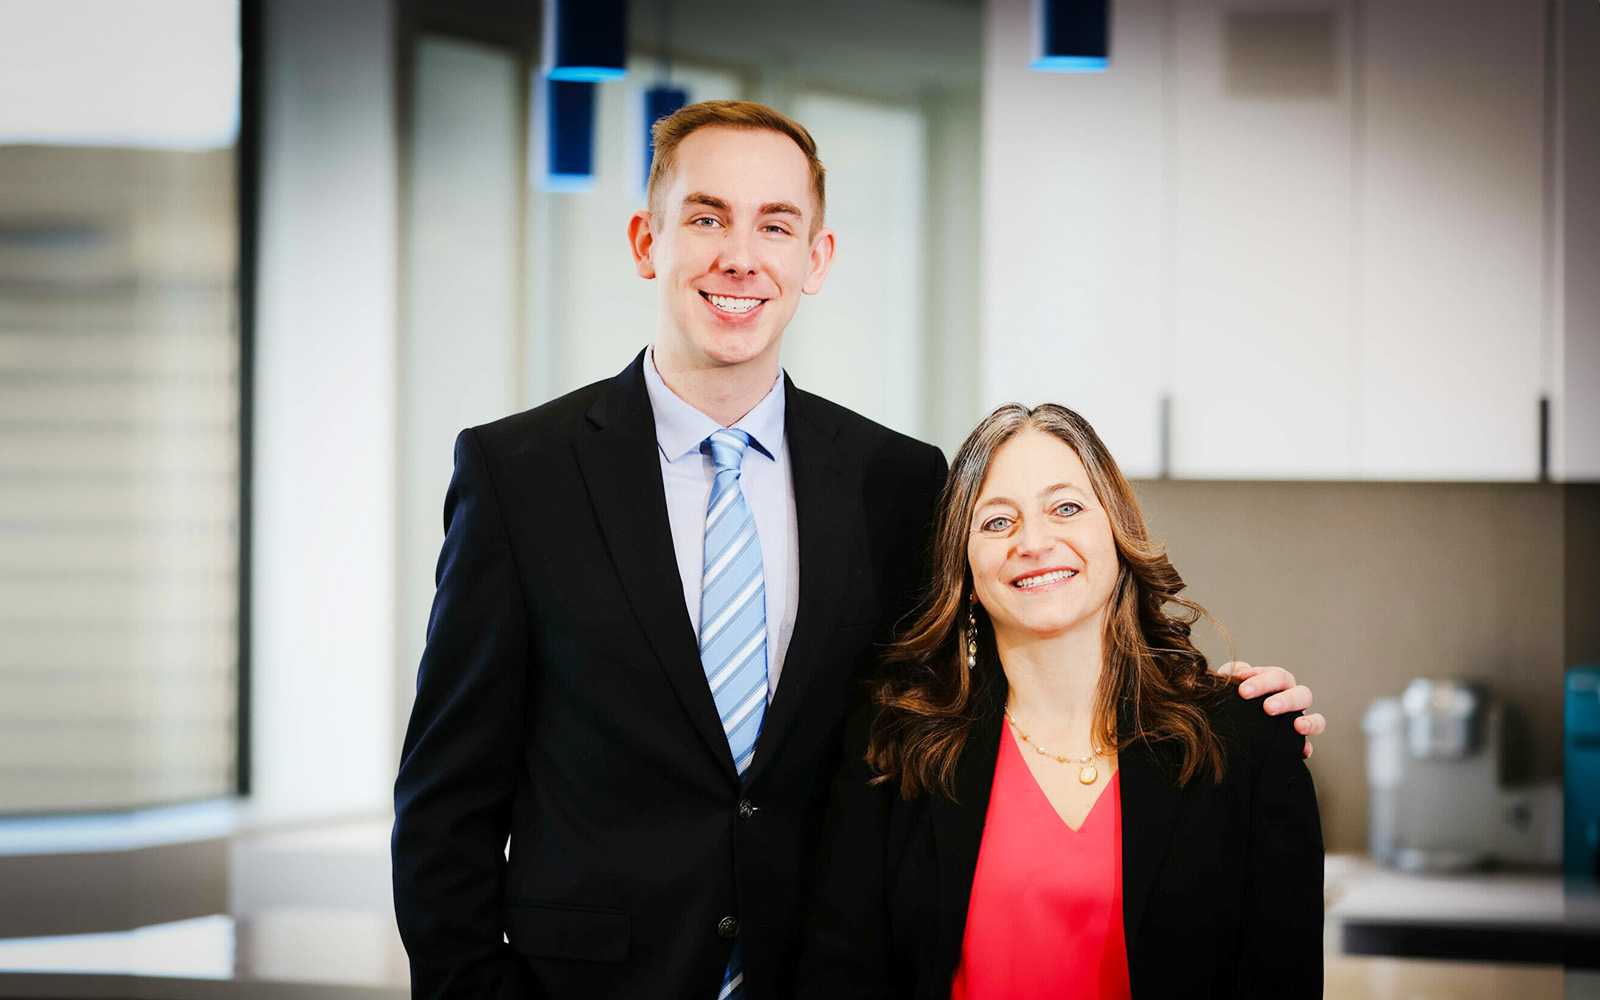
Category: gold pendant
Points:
column 1087, row 774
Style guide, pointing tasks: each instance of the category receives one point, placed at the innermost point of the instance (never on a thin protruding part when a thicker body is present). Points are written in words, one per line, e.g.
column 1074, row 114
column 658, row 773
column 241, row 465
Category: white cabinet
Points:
column 1319, row 232
column 1451, row 241
column 1072, row 231
column 1261, row 367
column 1576, row 383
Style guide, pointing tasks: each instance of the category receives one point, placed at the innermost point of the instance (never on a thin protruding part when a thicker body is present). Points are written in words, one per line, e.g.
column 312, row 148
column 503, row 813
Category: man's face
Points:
column 731, row 248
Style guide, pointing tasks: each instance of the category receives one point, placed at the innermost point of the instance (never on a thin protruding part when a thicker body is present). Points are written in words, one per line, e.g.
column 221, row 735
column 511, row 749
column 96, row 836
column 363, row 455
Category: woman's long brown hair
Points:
column 927, row 697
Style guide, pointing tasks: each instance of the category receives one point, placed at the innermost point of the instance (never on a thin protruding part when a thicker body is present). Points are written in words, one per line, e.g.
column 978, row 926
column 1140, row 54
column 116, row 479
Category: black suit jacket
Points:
column 561, row 703
column 1222, row 884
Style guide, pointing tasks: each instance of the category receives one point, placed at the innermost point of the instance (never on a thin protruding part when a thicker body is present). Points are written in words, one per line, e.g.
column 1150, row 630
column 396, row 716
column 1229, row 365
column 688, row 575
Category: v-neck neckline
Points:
column 1009, row 737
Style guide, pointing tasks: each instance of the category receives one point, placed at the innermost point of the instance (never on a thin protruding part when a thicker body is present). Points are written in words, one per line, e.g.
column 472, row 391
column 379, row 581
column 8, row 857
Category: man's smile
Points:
column 731, row 303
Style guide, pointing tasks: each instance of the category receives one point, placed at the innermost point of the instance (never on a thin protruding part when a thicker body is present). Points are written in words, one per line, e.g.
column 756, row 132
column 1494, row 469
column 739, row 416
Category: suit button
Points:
column 746, row 810
column 727, row 927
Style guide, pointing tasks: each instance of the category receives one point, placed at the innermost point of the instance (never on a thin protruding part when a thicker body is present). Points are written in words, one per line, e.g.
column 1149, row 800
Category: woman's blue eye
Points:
column 1068, row 508
column 996, row 523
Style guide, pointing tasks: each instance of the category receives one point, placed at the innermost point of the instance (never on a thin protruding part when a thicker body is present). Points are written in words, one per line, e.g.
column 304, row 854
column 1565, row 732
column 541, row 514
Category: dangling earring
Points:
column 972, row 632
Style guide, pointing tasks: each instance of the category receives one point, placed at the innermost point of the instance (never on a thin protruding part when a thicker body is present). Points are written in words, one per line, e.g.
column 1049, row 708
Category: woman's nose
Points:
column 1033, row 536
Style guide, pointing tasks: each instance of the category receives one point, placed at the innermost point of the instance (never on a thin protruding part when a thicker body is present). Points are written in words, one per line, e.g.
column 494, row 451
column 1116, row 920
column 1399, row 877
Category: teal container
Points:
column 1582, row 806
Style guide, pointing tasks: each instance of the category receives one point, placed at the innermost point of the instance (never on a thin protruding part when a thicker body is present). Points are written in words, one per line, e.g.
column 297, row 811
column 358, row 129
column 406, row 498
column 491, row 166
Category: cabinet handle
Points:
column 1164, row 444
column 1544, row 439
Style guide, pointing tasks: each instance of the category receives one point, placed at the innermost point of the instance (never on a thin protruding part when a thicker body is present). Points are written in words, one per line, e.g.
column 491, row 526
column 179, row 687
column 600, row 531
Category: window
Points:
column 120, row 430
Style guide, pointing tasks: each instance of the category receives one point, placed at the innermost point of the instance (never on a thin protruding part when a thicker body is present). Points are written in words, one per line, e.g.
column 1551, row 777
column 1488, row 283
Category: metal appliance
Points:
column 1433, row 770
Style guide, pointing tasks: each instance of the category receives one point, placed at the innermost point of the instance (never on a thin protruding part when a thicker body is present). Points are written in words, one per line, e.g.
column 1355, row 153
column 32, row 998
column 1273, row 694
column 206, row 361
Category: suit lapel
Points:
column 826, row 507
column 622, row 472
column 958, row 826
column 1150, row 794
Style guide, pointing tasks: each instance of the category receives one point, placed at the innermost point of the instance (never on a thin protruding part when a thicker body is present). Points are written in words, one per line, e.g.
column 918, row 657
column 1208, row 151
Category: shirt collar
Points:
column 680, row 428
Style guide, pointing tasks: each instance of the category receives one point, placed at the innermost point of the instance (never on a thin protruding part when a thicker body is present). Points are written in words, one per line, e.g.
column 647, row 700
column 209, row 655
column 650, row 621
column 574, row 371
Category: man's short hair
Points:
column 668, row 132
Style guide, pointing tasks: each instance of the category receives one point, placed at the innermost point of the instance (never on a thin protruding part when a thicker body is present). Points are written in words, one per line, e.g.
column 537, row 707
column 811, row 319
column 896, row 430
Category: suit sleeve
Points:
column 459, row 764
column 1282, row 934
column 846, row 953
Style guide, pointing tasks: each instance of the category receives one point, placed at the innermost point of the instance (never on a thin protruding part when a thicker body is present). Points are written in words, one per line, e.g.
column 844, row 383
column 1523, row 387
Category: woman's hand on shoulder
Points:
column 1287, row 696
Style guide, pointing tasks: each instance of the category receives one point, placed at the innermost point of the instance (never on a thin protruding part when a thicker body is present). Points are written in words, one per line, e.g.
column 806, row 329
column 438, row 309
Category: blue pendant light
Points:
column 585, row 40
column 569, row 135
column 1072, row 36
column 659, row 102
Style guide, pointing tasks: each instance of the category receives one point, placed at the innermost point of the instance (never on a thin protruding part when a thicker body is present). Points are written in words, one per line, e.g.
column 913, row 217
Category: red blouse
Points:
column 1045, row 917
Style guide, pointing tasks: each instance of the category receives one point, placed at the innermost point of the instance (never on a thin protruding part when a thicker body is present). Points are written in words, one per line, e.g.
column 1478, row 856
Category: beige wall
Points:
column 1359, row 587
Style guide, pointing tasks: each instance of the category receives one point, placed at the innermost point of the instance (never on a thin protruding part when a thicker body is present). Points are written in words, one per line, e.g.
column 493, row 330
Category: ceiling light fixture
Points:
column 1071, row 36
column 565, row 157
column 585, row 41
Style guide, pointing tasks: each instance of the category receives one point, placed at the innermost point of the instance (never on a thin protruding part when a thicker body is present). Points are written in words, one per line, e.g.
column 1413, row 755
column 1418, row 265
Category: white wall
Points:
column 322, row 648
column 950, row 316
column 859, row 341
column 461, row 346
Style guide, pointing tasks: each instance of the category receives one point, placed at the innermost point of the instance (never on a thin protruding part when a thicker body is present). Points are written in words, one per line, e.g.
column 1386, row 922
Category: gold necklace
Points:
column 1088, row 774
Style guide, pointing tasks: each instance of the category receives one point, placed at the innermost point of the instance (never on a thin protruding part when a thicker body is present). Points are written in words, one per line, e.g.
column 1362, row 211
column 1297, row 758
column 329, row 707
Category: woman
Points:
column 1056, row 798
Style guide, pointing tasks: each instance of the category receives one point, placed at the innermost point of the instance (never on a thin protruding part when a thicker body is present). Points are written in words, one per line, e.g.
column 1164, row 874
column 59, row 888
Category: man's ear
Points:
column 821, row 260
column 640, row 241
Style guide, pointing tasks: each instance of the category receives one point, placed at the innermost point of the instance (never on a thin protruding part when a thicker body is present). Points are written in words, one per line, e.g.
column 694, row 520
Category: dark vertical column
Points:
column 248, row 164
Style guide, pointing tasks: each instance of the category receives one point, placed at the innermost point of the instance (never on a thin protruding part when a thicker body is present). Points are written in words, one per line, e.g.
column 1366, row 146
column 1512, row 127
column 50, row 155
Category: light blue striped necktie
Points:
column 733, row 625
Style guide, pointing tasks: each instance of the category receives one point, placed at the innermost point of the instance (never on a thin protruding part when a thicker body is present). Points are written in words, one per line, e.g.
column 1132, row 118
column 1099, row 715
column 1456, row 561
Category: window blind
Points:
column 119, row 477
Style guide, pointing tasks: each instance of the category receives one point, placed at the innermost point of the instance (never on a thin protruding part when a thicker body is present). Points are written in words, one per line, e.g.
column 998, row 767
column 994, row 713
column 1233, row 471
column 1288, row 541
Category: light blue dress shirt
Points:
column 765, row 478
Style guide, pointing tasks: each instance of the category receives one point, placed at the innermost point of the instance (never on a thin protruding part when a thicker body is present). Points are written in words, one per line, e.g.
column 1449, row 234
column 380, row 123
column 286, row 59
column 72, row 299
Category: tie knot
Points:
column 727, row 448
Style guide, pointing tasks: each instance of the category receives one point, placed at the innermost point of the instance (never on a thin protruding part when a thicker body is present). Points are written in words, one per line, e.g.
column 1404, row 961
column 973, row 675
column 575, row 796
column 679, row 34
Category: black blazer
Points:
column 1222, row 884
column 561, row 704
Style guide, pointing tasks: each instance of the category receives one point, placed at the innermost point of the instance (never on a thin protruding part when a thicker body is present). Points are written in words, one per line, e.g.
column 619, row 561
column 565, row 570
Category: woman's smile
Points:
column 1043, row 578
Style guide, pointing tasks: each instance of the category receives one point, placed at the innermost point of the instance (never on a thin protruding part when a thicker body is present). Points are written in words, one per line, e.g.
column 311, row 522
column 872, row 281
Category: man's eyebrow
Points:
column 709, row 201
column 770, row 208
column 781, row 208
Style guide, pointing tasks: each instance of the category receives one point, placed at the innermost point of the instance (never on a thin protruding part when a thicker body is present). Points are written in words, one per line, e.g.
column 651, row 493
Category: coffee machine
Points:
column 1435, row 763
column 1433, row 769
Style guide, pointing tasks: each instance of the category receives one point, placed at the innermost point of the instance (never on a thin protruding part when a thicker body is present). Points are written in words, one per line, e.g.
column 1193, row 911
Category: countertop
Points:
column 1509, row 916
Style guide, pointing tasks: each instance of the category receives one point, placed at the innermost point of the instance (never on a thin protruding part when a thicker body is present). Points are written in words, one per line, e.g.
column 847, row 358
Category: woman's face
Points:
column 1039, row 545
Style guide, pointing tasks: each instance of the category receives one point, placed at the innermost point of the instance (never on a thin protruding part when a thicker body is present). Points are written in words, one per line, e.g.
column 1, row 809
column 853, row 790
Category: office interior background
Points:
column 1322, row 273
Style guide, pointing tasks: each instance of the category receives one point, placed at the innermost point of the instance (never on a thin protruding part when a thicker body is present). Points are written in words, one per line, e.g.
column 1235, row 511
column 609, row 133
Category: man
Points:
column 655, row 598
